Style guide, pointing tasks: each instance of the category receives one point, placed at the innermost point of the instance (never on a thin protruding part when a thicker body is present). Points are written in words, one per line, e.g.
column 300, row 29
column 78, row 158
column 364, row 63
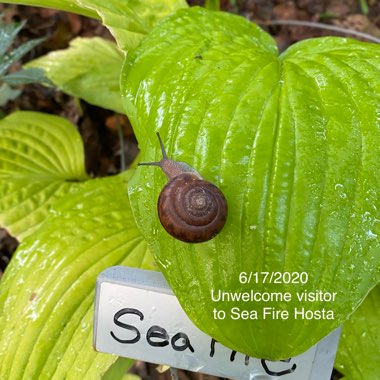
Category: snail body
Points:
column 190, row 208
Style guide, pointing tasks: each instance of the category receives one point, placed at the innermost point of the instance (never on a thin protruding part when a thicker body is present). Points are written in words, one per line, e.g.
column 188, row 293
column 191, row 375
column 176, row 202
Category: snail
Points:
column 190, row 208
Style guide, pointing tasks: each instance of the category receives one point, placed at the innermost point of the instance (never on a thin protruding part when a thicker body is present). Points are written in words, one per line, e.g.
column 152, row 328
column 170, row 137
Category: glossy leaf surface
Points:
column 89, row 69
column 79, row 228
column 130, row 21
column 359, row 345
column 41, row 160
column 47, row 292
column 293, row 142
column 63, row 5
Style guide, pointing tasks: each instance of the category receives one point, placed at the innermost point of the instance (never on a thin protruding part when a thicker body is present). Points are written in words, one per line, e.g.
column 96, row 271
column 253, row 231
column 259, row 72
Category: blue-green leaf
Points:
column 8, row 33
column 25, row 76
column 14, row 55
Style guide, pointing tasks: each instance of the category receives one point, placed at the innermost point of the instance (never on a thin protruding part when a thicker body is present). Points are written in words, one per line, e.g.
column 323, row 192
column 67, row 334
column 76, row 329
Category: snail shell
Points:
column 190, row 208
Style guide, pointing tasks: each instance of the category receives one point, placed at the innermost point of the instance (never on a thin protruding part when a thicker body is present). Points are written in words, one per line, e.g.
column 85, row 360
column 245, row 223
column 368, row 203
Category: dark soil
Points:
column 99, row 127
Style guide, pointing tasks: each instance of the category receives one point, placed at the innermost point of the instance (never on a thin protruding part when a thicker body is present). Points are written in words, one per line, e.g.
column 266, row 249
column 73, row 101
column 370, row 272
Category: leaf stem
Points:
column 334, row 28
column 364, row 7
column 213, row 5
column 121, row 142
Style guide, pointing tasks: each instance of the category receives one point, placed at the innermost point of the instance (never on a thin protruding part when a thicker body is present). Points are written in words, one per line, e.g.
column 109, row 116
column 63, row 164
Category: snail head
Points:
column 170, row 167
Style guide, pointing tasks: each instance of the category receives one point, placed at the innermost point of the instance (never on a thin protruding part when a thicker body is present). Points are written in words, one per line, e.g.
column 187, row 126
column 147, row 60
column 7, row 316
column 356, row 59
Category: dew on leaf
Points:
column 371, row 235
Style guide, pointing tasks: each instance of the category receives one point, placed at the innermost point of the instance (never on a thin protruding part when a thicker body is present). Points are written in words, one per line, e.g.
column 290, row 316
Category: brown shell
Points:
column 191, row 209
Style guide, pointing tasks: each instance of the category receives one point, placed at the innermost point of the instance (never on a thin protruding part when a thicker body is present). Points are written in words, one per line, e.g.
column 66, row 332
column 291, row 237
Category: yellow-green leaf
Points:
column 89, row 69
column 41, row 160
column 47, row 292
column 129, row 21
column 359, row 345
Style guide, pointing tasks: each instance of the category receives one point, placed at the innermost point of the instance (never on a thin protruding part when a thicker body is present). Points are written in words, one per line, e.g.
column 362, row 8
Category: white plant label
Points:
column 137, row 316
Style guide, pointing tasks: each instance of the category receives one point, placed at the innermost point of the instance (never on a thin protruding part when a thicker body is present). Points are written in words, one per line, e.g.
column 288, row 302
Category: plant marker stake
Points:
column 137, row 316
column 174, row 373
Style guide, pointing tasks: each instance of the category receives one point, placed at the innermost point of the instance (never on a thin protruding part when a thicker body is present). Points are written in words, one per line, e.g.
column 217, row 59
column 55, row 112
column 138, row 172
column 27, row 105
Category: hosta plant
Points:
column 291, row 139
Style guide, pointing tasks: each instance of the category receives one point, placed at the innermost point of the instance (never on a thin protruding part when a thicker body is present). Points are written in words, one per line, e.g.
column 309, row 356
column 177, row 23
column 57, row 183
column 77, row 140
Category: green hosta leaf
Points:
column 213, row 5
column 41, row 160
column 293, row 142
column 359, row 346
column 89, row 68
column 118, row 369
column 129, row 21
column 47, row 292
column 63, row 5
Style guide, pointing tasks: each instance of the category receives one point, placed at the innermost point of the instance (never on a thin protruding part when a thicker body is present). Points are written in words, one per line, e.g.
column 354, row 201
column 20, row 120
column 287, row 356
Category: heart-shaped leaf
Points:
column 80, row 71
column 41, row 160
column 293, row 141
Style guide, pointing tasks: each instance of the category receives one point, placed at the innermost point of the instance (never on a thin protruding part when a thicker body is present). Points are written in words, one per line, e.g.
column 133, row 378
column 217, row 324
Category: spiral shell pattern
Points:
column 191, row 209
